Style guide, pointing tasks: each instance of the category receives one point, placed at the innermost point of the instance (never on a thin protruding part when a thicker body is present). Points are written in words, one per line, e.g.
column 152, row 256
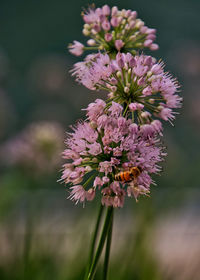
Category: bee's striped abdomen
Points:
column 123, row 176
column 129, row 175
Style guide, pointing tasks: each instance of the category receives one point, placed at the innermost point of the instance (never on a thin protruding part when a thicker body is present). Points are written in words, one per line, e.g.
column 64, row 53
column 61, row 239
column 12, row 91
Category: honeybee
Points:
column 128, row 175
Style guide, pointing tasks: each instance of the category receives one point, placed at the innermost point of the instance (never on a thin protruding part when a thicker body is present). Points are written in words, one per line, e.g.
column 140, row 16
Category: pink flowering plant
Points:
column 138, row 82
column 113, row 30
column 115, row 150
column 103, row 145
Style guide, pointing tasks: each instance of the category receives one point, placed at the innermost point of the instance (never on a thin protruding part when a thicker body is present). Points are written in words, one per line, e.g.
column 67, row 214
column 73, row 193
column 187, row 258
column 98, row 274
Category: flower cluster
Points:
column 101, row 147
column 139, row 82
column 113, row 30
column 35, row 147
column 117, row 148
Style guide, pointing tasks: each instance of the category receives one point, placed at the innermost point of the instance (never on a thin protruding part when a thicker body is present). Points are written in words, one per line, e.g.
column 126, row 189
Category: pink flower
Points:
column 157, row 126
column 116, row 145
column 139, row 82
column 106, row 10
column 154, row 47
column 147, row 91
column 147, row 130
column 77, row 194
column 166, row 114
column 106, row 25
column 130, row 32
column 95, row 109
column 119, row 44
column 76, row 48
column 90, row 195
column 114, row 21
column 115, row 109
column 94, row 149
column 113, row 195
column 135, row 191
column 105, row 167
column 135, row 106
column 108, row 37
column 148, row 43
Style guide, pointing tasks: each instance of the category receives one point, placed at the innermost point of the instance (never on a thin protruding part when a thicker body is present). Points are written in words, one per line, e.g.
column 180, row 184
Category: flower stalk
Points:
column 118, row 144
column 102, row 239
column 107, row 252
column 94, row 238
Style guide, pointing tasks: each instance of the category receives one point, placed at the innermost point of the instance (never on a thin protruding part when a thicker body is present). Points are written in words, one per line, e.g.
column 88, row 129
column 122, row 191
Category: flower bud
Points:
column 120, row 60
column 127, row 13
column 151, row 37
column 151, row 31
column 86, row 32
column 97, row 28
column 119, row 44
column 88, row 168
column 119, row 74
column 114, row 81
column 106, row 10
column 86, row 26
column 140, row 106
column 134, row 14
column 139, row 23
column 147, row 91
column 93, row 124
column 114, row 11
column 90, row 194
column 84, row 160
column 143, row 29
column 133, row 107
column 113, row 88
column 91, row 42
column 106, row 25
column 145, row 115
column 154, row 47
column 108, row 37
column 114, row 21
column 151, row 101
column 111, row 94
column 132, row 24
column 147, row 43
column 126, row 89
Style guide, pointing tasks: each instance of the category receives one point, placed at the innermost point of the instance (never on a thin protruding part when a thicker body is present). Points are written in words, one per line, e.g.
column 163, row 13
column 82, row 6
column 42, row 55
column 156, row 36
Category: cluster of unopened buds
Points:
column 113, row 30
column 117, row 148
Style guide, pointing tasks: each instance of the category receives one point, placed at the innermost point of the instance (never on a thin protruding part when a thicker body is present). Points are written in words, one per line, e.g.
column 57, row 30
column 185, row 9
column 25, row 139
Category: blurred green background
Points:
column 42, row 234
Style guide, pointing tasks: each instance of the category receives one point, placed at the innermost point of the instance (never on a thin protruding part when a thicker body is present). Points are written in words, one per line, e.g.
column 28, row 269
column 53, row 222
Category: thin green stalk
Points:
column 90, row 48
column 124, row 113
column 132, row 116
column 107, row 252
column 89, row 180
column 94, row 239
column 101, row 244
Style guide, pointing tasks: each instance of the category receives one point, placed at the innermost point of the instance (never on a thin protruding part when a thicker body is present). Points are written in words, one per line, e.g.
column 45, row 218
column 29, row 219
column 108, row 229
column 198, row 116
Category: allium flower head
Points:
column 104, row 145
column 115, row 30
column 138, row 82
column 35, row 148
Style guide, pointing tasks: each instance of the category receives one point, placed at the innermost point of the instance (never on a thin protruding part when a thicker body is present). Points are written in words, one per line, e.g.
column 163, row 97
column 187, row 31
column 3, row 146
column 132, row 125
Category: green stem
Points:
column 132, row 116
column 107, row 253
column 90, row 48
column 124, row 113
column 88, row 181
column 94, row 239
column 101, row 244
